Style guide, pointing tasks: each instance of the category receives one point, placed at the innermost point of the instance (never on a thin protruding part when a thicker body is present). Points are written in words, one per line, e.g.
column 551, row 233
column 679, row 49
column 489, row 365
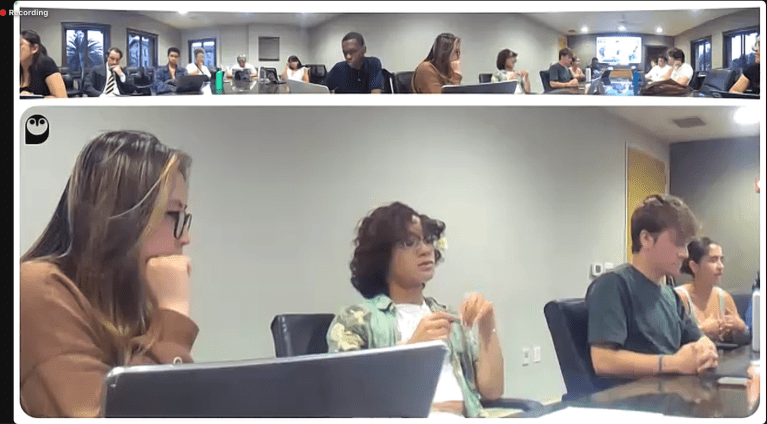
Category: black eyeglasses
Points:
column 183, row 222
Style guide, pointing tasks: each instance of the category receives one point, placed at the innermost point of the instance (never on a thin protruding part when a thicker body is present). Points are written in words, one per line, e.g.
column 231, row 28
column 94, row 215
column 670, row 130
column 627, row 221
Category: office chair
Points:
column 317, row 73
column 697, row 79
column 142, row 79
column 545, row 81
column 304, row 334
column 388, row 77
column 718, row 80
column 72, row 81
column 403, row 82
column 568, row 324
column 484, row 78
column 741, row 301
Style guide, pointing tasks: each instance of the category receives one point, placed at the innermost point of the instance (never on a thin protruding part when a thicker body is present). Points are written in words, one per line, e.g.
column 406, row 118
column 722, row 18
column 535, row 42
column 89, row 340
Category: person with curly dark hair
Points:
column 396, row 252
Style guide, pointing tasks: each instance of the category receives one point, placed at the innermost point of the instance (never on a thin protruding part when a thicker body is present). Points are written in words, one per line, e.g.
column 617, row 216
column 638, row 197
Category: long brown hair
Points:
column 116, row 194
column 439, row 55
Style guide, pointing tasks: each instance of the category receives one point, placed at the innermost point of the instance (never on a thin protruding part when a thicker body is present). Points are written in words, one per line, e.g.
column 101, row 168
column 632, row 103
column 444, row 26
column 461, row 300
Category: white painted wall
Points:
column 402, row 41
column 276, row 201
column 715, row 28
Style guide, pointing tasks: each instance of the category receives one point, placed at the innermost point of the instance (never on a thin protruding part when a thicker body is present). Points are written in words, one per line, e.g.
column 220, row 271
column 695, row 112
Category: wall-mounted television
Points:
column 619, row 49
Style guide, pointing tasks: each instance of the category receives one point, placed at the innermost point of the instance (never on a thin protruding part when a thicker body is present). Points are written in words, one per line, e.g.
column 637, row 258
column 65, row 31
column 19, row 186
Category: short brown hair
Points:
column 567, row 51
column 658, row 213
column 504, row 55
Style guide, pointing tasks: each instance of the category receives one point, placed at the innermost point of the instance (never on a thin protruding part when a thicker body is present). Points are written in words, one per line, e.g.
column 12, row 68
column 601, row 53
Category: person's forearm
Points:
column 557, row 84
column 490, row 367
column 619, row 362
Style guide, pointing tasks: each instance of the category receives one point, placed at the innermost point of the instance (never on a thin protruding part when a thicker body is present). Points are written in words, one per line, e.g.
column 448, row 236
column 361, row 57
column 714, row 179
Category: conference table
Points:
column 694, row 396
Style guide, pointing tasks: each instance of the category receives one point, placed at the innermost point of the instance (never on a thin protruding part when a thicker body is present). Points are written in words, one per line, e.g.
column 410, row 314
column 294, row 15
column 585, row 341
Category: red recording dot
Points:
column 2, row 12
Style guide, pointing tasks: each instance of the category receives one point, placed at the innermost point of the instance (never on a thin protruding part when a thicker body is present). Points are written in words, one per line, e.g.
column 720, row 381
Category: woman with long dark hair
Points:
column 442, row 66
column 295, row 71
column 39, row 73
column 107, row 283
column 396, row 253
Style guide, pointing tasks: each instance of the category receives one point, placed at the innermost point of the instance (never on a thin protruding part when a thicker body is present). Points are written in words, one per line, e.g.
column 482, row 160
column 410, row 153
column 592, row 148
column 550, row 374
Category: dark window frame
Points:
column 87, row 26
column 726, row 44
column 694, row 52
column 131, row 31
column 261, row 58
column 202, row 41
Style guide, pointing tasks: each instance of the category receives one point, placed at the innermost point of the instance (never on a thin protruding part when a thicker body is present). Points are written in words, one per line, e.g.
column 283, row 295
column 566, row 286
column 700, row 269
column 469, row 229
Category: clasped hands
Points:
column 722, row 328
column 474, row 309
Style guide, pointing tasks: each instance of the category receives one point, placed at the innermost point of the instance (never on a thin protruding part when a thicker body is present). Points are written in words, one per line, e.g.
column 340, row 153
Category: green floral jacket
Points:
column 373, row 324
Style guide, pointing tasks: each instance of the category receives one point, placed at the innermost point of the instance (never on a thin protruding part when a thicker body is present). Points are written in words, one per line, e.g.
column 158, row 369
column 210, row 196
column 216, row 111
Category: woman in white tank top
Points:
column 295, row 71
column 709, row 306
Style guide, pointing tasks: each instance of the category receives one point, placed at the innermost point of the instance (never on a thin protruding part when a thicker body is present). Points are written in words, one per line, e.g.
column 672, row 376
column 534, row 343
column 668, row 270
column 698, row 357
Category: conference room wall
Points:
column 716, row 178
column 276, row 195
column 50, row 30
column 402, row 41
column 715, row 28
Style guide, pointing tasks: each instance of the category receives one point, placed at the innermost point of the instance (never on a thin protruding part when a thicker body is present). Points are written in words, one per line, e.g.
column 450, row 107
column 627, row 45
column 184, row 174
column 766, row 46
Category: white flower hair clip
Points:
column 442, row 244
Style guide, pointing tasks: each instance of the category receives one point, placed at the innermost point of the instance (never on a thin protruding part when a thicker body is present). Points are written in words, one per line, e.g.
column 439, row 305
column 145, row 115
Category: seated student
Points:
column 750, row 78
column 442, row 66
column 505, row 64
column 107, row 283
column 108, row 79
column 595, row 68
column 166, row 77
column 710, row 307
column 637, row 325
column 357, row 73
column 575, row 69
column 39, row 73
column 658, row 71
column 198, row 66
column 678, row 70
column 395, row 256
column 295, row 71
column 559, row 73
column 242, row 65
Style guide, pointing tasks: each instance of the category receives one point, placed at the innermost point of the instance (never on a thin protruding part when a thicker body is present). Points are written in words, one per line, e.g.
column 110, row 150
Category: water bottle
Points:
column 636, row 82
column 219, row 81
column 755, row 316
column 261, row 74
column 588, row 74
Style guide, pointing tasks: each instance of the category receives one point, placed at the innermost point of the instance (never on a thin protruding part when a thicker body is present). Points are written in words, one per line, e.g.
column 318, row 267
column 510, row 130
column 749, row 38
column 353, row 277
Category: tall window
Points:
column 739, row 48
column 207, row 44
column 84, row 44
column 142, row 48
column 701, row 54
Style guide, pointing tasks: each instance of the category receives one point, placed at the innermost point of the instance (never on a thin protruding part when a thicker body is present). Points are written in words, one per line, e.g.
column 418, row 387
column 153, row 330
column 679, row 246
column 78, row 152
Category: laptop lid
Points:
column 398, row 381
column 190, row 83
column 300, row 87
column 506, row 87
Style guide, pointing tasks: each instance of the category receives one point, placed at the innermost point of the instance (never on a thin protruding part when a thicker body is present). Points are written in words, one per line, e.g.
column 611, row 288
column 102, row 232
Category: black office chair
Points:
column 142, row 79
column 742, row 300
column 403, row 82
column 718, row 80
column 212, row 71
column 545, row 80
column 317, row 73
column 697, row 80
column 484, row 78
column 305, row 334
column 270, row 74
column 388, row 78
column 72, row 81
column 568, row 324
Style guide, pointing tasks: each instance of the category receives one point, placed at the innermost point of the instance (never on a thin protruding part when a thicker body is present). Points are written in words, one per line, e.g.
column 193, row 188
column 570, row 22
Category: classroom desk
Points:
column 682, row 395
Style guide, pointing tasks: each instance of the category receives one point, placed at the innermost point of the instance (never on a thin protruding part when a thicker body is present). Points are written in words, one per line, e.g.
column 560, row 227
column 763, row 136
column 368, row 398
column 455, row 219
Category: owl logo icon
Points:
column 36, row 130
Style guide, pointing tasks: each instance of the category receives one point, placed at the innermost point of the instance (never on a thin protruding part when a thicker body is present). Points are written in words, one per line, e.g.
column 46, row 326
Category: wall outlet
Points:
column 536, row 354
column 597, row 269
column 609, row 266
column 525, row 356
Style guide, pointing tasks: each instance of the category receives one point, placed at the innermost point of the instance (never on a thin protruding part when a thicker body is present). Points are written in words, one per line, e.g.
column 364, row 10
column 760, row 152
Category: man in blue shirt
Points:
column 357, row 74
column 165, row 78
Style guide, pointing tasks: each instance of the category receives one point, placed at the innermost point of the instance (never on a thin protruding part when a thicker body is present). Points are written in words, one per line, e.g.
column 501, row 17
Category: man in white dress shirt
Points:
column 658, row 71
column 108, row 79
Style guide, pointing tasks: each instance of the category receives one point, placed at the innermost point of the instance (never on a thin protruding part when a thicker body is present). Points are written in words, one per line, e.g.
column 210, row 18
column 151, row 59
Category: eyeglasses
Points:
column 414, row 243
column 183, row 221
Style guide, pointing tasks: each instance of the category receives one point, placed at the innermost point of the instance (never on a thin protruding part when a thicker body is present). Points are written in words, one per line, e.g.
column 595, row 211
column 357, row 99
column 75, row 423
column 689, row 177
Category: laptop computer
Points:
column 300, row 87
column 190, row 83
column 505, row 87
column 398, row 382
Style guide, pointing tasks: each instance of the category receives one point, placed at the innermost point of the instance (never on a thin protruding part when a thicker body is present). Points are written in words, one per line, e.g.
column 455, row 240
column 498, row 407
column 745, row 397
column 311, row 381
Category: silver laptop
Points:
column 389, row 382
column 505, row 87
column 300, row 87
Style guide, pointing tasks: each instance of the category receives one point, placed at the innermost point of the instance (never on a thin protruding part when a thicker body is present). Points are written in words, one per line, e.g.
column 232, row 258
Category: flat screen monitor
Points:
column 619, row 50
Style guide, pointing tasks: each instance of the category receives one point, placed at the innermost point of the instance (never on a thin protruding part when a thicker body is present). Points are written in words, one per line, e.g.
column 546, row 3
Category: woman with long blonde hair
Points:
column 107, row 283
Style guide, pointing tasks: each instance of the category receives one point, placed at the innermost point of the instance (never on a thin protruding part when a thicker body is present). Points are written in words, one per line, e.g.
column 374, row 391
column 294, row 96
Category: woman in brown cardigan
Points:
column 441, row 67
column 107, row 283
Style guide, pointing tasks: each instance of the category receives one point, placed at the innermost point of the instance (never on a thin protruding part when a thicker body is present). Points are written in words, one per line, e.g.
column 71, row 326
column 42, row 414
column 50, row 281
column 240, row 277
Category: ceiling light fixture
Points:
column 584, row 29
column 183, row 12
column 746, row 116
column 621, row 28
column 659, row 30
